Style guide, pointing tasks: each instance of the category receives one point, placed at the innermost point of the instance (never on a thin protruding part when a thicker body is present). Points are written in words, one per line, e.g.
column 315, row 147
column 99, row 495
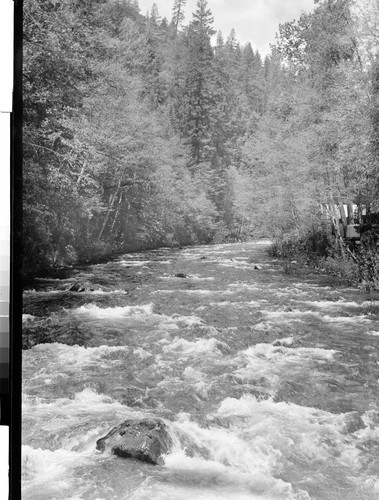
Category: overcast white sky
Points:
column 255, row 21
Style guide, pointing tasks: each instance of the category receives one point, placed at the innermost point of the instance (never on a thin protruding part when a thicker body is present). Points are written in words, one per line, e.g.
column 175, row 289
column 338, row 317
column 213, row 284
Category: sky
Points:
column 254, row 21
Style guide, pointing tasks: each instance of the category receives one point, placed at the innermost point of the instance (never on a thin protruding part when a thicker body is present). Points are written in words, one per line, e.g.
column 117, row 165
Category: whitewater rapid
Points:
column 268, row 382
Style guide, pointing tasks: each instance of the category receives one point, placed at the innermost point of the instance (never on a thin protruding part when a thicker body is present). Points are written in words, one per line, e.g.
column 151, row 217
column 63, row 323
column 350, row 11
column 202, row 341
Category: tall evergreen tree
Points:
column 155, row 17
column 200, row 83
column 178, row 14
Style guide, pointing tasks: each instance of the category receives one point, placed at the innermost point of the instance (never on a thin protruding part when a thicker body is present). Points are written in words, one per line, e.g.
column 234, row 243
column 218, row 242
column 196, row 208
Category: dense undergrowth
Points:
column 320, row 249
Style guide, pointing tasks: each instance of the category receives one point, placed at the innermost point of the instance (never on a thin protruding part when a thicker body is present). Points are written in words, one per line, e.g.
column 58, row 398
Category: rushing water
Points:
column 268, row 381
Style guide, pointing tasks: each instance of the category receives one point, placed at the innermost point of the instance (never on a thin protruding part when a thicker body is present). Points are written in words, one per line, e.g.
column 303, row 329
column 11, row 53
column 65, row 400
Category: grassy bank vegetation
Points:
column 319, row 248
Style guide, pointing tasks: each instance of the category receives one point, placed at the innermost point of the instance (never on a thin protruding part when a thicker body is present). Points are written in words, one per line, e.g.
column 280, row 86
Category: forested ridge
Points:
column 142, row 131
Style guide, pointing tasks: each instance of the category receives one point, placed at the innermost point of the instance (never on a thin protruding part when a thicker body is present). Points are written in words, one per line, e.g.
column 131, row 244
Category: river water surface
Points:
column 268, row 381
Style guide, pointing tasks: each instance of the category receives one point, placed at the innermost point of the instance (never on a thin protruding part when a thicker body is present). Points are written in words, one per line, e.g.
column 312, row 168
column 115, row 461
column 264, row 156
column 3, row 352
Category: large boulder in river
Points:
column 145, row 440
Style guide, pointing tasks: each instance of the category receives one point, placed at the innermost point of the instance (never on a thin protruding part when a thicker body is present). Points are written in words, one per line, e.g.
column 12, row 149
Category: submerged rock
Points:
column 353, row 422
column 181, row 275
column 145, row 440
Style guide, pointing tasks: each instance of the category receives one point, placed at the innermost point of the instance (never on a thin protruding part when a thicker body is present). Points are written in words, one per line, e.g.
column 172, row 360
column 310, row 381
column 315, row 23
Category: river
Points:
column 267, row 380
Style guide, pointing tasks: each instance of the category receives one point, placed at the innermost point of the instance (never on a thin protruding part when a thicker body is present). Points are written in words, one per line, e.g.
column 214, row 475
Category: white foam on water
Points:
column 255, row 440
column 142, row 353
column 197, row 348
column 264, row 326
column 232, row 461
column 224, row 303
column 286, row 342
column 189, row 278
column 196, row 277
column 69, row 358
column 133, row 263
column 41, row 466
column 371, row 432
column 268, row 350
column 144, row 313
column 108, row 292
column 227, row 481
column 298, row 433
column 236, row 264
column 196, row 379
column 346, row 319
column 290, row 291
column 171, row 327
column 42, row 292
column 26, row 318
column 195, row 292
column 181, row 321
column 373, row 333
column 114, row 312
column 72, row 424
column 312, row 286
column 297, row 315
column 274, row 363
column 240, row 304
column 86, row 400
column 329, row 304
column 162, row 491
column 132, row 256
column 290, row 315
column 86, row 292
column 192, row 374
column 52, row 474
column 244, row 287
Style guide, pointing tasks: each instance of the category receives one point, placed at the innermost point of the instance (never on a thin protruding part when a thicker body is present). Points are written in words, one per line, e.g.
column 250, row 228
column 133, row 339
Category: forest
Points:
column 141, row 132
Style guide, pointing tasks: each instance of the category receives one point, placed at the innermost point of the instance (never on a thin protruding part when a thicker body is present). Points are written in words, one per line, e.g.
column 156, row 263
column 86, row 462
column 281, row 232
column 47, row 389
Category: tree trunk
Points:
column 111, row 203
column 334, row 212
column 81, row 174
column 334, row 216
column 350, row 213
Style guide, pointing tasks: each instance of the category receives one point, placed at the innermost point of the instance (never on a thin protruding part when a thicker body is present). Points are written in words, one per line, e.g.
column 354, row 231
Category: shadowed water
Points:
column 268, row 382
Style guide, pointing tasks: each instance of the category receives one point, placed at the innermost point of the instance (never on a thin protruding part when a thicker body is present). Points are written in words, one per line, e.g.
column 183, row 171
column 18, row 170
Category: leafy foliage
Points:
column 140, row 132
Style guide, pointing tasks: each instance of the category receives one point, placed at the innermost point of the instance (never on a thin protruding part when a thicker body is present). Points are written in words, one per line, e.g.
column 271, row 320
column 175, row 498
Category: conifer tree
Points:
column 155, row 17
column 200, row 84
column 178, row 14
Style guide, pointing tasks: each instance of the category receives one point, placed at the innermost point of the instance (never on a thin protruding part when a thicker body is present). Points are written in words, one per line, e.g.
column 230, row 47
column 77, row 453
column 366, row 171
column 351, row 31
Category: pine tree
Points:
column 231, row 41
column 202, row 21
column 178, row 14
column 200, row 81
column 155, row 17
column 219, row 44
